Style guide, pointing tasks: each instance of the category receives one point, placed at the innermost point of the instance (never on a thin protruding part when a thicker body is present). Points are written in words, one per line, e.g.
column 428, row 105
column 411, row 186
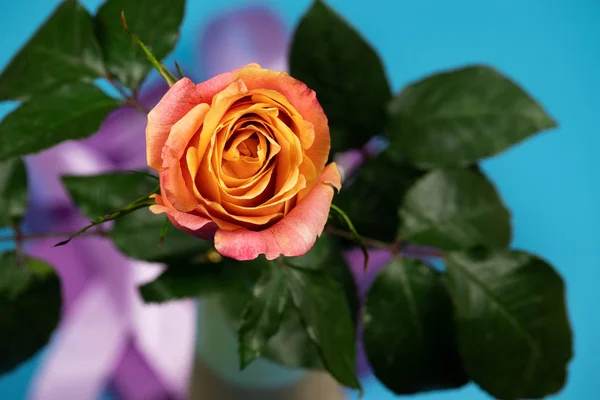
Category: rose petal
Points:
column 172, row 181
column 206, row 181
column 292, row 236
column 176, row 103
column 193, row 224
column 304, row 129
column 234, row 220
column 302, row 98
column 181, row 133
column 211, row 87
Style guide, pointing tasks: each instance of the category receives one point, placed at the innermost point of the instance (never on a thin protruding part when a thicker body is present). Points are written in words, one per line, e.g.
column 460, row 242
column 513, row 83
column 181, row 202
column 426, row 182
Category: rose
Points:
column 242, row 159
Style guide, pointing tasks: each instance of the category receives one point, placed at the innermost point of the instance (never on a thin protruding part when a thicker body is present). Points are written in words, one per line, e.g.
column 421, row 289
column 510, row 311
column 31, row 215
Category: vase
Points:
column 217, row 376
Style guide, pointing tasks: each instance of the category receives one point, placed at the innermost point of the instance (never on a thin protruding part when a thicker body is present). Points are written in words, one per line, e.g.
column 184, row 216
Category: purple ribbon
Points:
column 105, row 326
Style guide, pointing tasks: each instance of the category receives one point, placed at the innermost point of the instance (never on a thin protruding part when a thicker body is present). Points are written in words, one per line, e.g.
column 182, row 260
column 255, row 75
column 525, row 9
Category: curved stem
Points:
column 421, row 252
column 367, row 241
column 19, row 238
column 131, row 100
column 397, row 247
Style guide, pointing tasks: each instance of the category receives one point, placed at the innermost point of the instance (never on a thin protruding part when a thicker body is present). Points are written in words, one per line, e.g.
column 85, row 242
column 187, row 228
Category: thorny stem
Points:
column 397, row 247
column 164, row 72
column 19, row 238
column 131, row 100
column 368, row 241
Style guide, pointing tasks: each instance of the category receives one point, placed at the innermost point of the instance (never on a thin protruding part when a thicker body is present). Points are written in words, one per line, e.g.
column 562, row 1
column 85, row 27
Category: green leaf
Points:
column 384, row 182
column 321, row 304
column 263, row 314
column 326, row 256
column 30, row 305
column 290, row 345
column 138, row 235
column 460, row 116
column 512, row 326
column 156, row 23
column 195, row 277
column 63, row 50
column 345, row 72
column 98, row 195
column 13, row 192
column 409, row 331
column 69, row 112
column 453, row 210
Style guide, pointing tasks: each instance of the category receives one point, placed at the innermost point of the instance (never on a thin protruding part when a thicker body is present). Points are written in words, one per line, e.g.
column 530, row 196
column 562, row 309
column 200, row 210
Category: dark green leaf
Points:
column 512, row 326
column 346, row 73
column 156, row 23
column 13, row 192
column 326, row 255
column 98, row 195
column 324, row 312
column 383, row 182
column 195, row 277
column 409, row 331
column 453, row 210
column 291, row 346
column 460, row 116
column 138, row 235
column 30, row 305
column 263, row 314
column 69, row 112
column 63, row 50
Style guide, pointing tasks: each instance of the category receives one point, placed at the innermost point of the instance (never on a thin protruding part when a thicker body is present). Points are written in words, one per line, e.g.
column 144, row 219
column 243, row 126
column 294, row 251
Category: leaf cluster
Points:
column 492, row 315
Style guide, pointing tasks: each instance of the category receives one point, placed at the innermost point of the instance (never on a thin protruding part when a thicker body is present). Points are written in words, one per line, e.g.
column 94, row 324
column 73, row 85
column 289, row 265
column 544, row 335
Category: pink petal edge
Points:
column 294, row 235
column 208, row 89
column 194, row 225
column 176, row 103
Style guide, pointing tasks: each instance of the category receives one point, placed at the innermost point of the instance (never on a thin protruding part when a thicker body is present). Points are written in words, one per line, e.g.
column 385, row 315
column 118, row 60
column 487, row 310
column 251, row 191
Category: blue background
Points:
column 552, row 47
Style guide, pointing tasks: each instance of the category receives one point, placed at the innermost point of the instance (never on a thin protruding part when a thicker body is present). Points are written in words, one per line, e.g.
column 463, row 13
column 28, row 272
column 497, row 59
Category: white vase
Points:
column 217, row 374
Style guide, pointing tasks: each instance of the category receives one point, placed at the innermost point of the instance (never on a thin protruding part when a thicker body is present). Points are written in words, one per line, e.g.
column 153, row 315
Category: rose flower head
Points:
column 242, row 159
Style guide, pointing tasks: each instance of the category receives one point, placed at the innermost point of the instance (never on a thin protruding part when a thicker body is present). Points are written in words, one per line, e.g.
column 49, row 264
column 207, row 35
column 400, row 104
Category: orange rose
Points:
column 241, row 159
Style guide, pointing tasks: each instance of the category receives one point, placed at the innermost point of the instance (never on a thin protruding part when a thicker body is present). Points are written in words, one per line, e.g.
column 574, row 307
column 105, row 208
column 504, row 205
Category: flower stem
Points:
column 351, row 236
column 19, row 238
column 165, row 73
column 131, row 100
column 397, row 247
